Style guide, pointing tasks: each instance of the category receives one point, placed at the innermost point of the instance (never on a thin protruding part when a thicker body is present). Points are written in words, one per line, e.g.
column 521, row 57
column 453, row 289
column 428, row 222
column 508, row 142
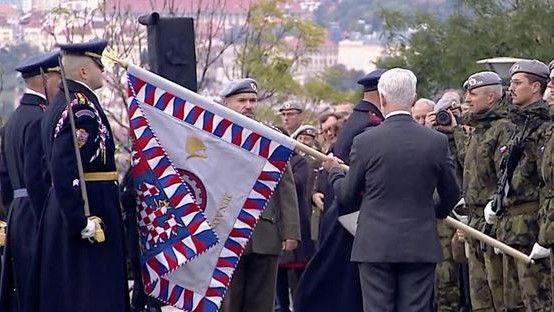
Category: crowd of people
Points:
column 481, row 154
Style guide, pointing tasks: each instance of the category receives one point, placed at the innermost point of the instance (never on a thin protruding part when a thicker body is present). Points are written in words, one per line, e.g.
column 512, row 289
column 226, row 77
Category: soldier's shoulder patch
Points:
column 85, row 113
column 82, row 137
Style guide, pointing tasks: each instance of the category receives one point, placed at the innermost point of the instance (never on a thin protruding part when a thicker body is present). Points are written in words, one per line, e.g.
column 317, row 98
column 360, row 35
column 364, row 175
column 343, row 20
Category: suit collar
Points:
column 401, row 117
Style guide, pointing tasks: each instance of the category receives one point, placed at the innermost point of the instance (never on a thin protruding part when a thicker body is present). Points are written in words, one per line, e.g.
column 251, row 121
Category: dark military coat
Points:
column 21, row 150
column 76, row 275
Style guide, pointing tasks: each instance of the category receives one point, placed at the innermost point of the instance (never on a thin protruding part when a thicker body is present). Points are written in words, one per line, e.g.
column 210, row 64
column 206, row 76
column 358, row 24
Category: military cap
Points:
column 304, row 130
column 93, row 49
column 551, row 65
column 244, row 85
column 532, row 67
column 369, row 81
column 48, row 62
column 291, row 105
column 482, row 79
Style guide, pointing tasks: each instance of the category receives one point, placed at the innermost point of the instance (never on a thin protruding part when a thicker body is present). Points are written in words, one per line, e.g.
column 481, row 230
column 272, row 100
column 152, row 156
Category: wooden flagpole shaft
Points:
column 518, row 255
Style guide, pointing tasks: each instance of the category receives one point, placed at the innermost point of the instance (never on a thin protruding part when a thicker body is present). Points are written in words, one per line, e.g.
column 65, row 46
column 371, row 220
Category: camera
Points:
column 442, row 110
column 443, row 117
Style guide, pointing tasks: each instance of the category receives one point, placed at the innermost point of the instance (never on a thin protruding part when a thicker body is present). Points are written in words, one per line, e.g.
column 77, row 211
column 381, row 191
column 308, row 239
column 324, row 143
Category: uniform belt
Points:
column 101, row 176
column 20, row 193
column 522, row 209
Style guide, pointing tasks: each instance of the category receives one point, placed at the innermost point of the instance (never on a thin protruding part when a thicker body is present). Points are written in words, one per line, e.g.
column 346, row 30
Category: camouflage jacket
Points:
column 546, row 212
column 484, row 152
column 522, row 228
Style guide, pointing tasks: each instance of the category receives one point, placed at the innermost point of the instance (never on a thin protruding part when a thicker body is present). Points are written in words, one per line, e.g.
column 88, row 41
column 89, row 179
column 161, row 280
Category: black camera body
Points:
column 443, row 117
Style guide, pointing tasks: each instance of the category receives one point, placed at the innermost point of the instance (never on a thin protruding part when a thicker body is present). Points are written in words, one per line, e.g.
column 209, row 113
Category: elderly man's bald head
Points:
column 421, row 108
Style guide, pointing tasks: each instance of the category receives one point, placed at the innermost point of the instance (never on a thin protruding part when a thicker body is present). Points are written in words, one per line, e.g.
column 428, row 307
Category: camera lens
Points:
column 443, row 118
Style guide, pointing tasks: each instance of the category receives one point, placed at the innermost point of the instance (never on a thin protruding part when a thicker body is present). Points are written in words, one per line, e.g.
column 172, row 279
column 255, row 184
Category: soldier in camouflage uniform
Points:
column 546, row 213
column 518, row 224
column 481, row 166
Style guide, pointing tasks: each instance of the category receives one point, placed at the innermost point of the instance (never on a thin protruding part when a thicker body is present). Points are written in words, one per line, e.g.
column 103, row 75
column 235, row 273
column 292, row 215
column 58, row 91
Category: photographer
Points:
column 447, row 118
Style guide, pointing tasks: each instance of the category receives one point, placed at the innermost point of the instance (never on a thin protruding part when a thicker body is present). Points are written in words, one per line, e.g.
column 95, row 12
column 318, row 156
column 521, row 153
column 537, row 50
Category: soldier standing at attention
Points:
column 546, row 213
column 482, row 164
column 79, row 272
column 518, row 223
column 252, row 287
column 21, row 148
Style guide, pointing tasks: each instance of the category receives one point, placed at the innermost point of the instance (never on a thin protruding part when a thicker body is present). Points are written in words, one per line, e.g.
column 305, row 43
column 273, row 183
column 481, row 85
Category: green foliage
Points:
column 10, row 57
column 444, row 53
column 334, row 85
column 268, row 54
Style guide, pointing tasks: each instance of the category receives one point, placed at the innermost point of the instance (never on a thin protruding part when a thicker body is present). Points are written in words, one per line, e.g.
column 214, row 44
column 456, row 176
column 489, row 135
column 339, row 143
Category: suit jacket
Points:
column 394, row 170
column 279, row 221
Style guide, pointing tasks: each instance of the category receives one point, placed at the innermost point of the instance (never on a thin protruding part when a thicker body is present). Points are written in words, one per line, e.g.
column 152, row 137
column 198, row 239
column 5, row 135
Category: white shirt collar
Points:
column 399, row 112
column 33, row 92
column 92, row 91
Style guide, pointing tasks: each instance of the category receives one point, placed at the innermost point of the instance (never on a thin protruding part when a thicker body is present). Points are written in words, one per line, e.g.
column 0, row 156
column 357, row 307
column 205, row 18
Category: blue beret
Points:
column 369, row 81
column 245, row 85
column 532, row 67
column 93, row 48
column 30, row 67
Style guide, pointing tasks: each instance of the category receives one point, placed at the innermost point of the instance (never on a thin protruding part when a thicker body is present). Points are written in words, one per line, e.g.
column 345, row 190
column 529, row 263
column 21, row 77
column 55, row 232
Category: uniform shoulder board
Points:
column 81, row 98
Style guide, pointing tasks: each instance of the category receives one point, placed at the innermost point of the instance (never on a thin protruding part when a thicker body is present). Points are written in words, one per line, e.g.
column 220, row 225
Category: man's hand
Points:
column 490, row 215
column 430, row 119
column 290, row 244
column 317, row 198
column 460, row 236
column 539, row 252
column 332, row 162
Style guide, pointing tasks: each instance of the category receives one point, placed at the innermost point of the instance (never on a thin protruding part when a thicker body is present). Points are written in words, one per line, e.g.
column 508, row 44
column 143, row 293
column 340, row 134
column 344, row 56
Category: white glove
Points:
column 490, row 216
column 497, row 251
column 539, row 252
column 89, row 230
column 461, row 202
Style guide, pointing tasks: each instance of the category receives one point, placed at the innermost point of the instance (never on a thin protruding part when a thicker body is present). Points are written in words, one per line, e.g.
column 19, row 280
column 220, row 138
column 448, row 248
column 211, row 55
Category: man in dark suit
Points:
column 394, row 170
column 331, row 264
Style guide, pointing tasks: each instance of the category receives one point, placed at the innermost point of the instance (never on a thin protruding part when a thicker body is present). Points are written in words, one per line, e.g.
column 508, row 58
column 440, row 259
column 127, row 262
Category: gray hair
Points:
column 425, row 101
column 398, row 86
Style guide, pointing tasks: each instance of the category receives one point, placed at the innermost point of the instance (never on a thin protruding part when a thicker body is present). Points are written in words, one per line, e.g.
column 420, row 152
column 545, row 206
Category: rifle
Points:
column 508, row 165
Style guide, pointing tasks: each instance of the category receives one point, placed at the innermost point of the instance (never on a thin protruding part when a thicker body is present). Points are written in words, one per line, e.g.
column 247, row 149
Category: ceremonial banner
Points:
column 228, row 163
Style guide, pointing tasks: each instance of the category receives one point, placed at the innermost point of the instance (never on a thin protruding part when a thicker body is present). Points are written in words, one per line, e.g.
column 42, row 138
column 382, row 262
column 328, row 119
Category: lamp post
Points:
column 501, row 66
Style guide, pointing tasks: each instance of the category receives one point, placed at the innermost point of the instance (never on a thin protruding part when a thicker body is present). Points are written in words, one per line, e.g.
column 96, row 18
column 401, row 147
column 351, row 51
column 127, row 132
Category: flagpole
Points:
column 316, row 154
